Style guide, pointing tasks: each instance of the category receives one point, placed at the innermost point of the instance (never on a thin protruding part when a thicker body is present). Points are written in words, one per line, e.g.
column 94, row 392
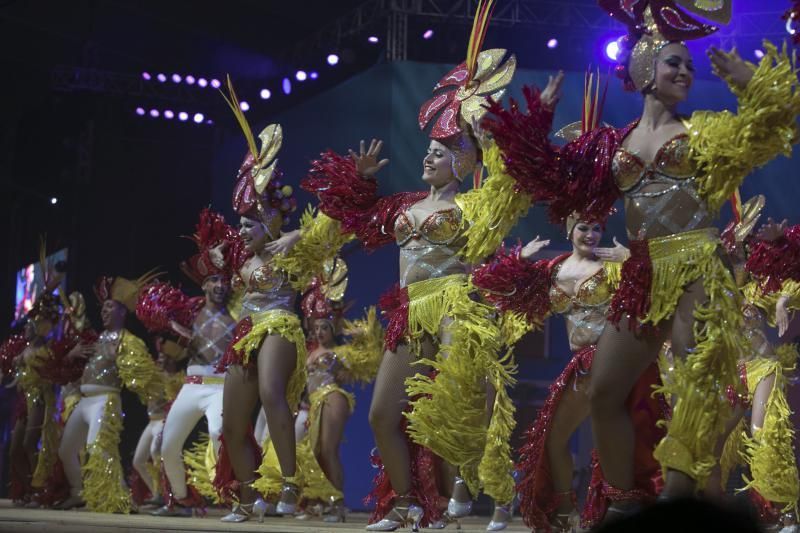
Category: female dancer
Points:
column 266, row 357
column 674, row 174
column 578, row 285
column 329, row 366
column 434, row 324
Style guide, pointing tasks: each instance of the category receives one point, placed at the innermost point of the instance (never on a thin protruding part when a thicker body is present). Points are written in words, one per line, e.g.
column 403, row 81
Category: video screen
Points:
column 30, row 282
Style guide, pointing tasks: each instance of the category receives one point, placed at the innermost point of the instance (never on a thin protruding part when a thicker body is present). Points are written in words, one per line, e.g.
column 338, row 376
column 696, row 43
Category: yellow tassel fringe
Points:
column 103, row 486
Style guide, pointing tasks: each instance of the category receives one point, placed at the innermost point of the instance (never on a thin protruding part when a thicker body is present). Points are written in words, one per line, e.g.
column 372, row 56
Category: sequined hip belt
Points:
column 204, row 380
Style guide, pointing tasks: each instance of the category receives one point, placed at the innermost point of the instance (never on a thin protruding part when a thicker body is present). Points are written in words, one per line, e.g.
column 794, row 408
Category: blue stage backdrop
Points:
column 383, row 102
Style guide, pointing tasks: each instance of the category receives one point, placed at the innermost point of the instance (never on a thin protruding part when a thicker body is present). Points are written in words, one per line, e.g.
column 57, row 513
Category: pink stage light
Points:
column 265, row 94
column 428, row 34
column 244, row 106
column 176, row 78
column 202, row 82
column 215, row 83
column 552, row 43
column 140, row 111
column 168, row 114
column 198, row 118
column 189, row 79
column 146, row 76
column 154, row 113
column 161, row 77
column 183, row 116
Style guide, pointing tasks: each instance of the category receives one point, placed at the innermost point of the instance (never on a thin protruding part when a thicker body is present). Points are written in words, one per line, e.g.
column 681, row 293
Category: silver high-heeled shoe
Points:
column 338, row 513
column 455, row 508
column 499, row 525
column 242, row 512
column 284, row 507
column 395, row 519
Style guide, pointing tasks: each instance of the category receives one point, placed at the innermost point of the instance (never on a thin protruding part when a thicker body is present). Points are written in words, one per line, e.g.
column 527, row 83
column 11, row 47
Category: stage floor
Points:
column 27, row 520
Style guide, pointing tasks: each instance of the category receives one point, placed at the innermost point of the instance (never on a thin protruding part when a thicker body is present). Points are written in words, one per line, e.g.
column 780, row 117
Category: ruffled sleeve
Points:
column 515, row 285
column 773, row 262
column 160, row 303
column 136, row 368
column 353, row 200
column 362, row 355
column 321, row 238
column 575, row 178
column 491, row 210
column 727, row 147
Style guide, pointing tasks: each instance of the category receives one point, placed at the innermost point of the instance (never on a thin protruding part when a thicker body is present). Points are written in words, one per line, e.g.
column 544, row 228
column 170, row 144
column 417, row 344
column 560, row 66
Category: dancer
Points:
column 578, row 285
column 266, row 358
column 118, row 358
column 434, row 324
column 206, row 325
column 674, row 175
column 329, row 366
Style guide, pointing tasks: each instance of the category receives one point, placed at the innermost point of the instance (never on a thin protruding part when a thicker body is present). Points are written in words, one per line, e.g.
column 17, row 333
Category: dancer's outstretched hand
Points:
column 617, row 254
column 367, row 163
column 782, row 315
column 284, row 243
column 532, row 248
column 730, row 66
column 217, row 254
column 552, row 93
column 771, row 230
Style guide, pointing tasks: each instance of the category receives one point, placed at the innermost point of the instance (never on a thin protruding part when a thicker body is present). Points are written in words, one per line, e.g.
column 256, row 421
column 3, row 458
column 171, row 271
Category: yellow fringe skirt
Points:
column 699, row 382
column 103, row 486
column 449, row 411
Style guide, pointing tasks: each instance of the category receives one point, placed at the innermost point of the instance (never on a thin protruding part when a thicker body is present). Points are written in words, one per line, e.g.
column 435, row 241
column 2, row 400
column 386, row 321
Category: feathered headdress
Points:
column 745, row 218
column 123, row 290
column 325, row 295
column 210, row 231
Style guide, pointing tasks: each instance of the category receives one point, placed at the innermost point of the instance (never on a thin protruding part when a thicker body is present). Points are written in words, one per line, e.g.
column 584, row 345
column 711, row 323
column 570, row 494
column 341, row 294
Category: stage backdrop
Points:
column 383, row 103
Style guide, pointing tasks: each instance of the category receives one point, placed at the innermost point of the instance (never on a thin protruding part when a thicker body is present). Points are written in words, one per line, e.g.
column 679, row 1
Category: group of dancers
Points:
column 667, row 334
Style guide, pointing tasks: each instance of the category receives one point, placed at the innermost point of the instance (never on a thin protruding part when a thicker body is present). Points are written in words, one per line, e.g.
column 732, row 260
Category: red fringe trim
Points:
column 768, row 513
column 394, row 306
column 139, row 491
column 353, row 200
column 59, row 369
column 225, row 482
column 233, row 356
column 514, row 284
column 193, row 499
column 773, row 262
column 56, row 488
column 632, row 299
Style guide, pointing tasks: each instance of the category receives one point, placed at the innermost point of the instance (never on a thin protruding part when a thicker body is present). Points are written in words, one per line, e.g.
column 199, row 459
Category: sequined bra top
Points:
column 322, row 370
column 435, row 252
column 101, row 368
column 660, row 196
column 585, row 312
column 268, row 288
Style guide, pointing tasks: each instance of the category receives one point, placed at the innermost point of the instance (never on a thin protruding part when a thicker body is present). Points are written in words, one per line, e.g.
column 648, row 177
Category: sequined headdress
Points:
column 324, row 298
column 123, row 290
column 259, row 193
column 46, row 305
column 745, row 218
column 210, row 231
column 463, row 92
column 652, row 24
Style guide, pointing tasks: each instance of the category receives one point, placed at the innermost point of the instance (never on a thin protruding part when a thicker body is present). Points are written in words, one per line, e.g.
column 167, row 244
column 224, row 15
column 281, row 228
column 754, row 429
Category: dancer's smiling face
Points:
column 674, row 73
column 585, row 237
column 253, row 233
column 437, row 167
column 323, row 331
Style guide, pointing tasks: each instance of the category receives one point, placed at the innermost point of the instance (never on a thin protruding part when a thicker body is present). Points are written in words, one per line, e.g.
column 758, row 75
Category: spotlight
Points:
column 202, row 82
column 161, row 77
column 209, row 121
column 53, row 200
column 146, row 76
column 333, row 59
column 140, row 111
column 301, row 75
column 759, row 54
column 154, row 113
column 373, row 39
column 790, row 20
column 244, row 106
column 183, row 116
column 265, row 94
column 168, row 114
column 313, row 75
column 215, row 83
column 176, row 78
column 428, row 34
column 287, row 86
column 552, row 43
column 189, row 79
column 612, row 50
column 198, row 118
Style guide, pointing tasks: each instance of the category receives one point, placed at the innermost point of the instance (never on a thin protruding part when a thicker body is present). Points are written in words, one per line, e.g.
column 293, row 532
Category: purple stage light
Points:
column 313, row 75
column 198, row 118
column 265, row 94
column 140, row 111
column 333, row 59
column 146, row 76
column 373, row 39
column 428, row 34
column 154, row 113
column 759, row 54
column 189, row 79
column 183, row 116
column 161, row 77
column 244, row 106
column 209, row 121
column 202, row 82
column 168, row 113
column 287, row 86
column 215, row 83
column 552, row 43
column 301, row 75
column 176, row 78
column 612, row 50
